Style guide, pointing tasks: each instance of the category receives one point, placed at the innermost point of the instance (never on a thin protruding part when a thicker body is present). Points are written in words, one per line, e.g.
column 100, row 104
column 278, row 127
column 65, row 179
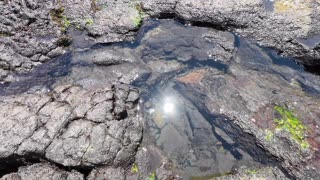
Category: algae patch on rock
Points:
column 293, row 125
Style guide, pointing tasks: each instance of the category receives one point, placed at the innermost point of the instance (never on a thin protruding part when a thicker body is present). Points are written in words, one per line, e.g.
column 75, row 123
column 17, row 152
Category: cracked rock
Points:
column 43, row 171
column 72, row 126
column 28, row 36
column 107, row 173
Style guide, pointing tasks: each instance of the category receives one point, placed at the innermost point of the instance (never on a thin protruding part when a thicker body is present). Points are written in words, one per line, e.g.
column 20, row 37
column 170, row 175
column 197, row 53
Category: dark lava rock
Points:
column 71, row 126
column 28, row 36
column 271, row 173
column 248, row 97
column 186, row 43
column 107, row 173
column 43, row 171
column 105, row 20
column 95, row 125
column 34, row 31
column 281, row 28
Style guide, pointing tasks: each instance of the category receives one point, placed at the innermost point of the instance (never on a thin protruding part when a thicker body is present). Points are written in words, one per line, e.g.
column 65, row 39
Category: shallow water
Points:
column 198, row 143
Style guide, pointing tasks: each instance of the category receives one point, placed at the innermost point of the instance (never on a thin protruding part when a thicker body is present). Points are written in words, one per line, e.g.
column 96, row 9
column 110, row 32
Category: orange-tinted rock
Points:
column 193, row 77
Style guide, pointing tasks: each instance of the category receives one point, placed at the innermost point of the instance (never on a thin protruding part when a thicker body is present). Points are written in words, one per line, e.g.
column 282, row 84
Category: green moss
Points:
column 292, row 124
column 77, row 24
column 134, row 168
column 252, row 171
column 65, row 23
column 89, row 22
column 138, row 19
column 222, row 150
column 58, row 16
column 211, row 176
column 4, row 34
column 152, row 176
column 269, row 135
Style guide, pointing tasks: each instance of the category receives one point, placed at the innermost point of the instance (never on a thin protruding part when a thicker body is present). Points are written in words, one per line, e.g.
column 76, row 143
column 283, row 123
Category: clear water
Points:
column 196, row 142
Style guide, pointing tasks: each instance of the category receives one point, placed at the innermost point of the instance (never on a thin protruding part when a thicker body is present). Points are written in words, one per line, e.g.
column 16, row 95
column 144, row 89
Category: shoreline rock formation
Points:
column 81, row 115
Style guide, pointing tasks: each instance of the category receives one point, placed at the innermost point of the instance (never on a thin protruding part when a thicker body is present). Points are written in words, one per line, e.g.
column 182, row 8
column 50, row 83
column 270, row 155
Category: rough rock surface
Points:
column 43, row 171
column 148, row 160
column 106, row 21
column 86, row 122
column 28, row 37
column 248, row 98
column 34, row 31
column 286, row 27
column 271, row 173
column 72, row 126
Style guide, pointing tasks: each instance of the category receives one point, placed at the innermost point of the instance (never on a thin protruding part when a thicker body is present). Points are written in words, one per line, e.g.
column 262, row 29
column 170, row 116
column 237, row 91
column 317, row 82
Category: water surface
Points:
column 196, row 142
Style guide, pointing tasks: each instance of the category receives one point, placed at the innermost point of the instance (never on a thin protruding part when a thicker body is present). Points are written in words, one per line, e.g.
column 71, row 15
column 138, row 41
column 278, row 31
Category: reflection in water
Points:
column 168, row 106
column 187, row 138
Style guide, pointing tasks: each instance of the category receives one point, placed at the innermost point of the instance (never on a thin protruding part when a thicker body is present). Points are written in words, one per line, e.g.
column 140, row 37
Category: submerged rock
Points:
column 32, row 32
column 248, row 96
column 282, row 28
column 226, row 91
column 271, row 173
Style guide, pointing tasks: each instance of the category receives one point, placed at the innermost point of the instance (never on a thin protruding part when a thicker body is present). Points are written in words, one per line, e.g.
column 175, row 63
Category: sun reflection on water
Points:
column 168, row 105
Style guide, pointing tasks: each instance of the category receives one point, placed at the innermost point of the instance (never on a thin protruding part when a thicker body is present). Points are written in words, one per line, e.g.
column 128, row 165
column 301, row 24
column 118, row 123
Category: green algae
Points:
column 4, row 34
column 89, row 21
column 211, row 176
column 290, row 123
column 269, row 135
column 58, row 16
column 252, row 171
column 152, row 176
column 137, row 20
column 134, row 168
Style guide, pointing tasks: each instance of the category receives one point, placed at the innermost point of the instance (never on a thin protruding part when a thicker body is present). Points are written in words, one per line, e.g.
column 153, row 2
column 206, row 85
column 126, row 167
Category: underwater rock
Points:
column 280, row 28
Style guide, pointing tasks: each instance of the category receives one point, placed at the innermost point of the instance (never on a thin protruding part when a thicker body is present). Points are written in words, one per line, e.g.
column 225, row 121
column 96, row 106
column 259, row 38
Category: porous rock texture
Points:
column 286, row 27
column 27, row 36
column 248, row 97
column 34, row 31
column 72, row 126
column 252, row 174
column 97, row 129
column 43, row 171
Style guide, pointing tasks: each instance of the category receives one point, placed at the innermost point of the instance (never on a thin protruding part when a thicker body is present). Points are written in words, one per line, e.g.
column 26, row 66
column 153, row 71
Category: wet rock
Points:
column 162, row 66
column 187, row 138
column 281, row 28
column 264, row 173
column 27, row 35
column 72, row 126
column 43, row 171
column 186, row 44
column 113, row 55
column 32, row 31
column 105, row 65
column 248, row 95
